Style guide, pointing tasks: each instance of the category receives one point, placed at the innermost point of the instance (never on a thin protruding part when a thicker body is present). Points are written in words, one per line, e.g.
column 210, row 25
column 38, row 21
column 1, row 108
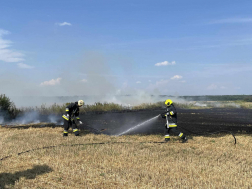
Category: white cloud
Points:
column 4, row 43
column 212, row 87
column 84, row 80
column 7, row 54
column 177, row 77
column 64, row 24
column 4, row 32
column 138, row 82
column 24, row 66
column 51, row 82
column 165, row 63
column 232, row 21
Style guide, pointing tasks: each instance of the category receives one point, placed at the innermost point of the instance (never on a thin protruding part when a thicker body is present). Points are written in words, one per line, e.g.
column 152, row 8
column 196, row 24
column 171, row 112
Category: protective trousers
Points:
column 68, row 124
column 175, row 131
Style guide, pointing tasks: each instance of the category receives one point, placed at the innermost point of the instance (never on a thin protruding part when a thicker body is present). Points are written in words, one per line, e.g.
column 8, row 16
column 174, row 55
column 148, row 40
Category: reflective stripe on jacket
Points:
column 172, row 117
column 72, row 110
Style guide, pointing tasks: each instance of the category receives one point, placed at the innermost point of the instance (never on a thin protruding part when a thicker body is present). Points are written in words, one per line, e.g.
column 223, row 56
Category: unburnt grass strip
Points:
column 132, row 161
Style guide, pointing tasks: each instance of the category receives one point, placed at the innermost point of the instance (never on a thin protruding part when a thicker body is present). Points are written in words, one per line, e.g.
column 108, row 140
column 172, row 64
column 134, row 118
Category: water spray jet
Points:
column 133, row 128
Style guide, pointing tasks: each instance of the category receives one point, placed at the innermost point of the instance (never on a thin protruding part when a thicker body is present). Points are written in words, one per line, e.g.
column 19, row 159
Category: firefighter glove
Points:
column 66, row 117
column 80, row 122
column 163, row 115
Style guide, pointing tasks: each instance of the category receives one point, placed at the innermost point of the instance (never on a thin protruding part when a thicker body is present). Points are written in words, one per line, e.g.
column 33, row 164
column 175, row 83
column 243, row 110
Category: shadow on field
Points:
column 11, row 178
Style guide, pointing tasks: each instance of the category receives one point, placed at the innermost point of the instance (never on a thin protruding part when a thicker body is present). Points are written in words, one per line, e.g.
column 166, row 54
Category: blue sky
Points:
column 161, row 47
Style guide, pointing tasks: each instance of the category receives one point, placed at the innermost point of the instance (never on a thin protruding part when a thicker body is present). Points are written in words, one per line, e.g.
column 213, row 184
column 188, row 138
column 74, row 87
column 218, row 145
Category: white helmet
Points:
column 80, row 103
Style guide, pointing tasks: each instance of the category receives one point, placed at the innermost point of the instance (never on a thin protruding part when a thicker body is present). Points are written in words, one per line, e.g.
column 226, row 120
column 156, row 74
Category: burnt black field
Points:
column 190, row 121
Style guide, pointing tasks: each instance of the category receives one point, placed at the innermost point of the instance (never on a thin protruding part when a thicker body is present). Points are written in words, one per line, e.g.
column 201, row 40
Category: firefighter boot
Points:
column 183, row 137
column 184, row 140
column 167, row 138
column 76, row 132
column 65, row 134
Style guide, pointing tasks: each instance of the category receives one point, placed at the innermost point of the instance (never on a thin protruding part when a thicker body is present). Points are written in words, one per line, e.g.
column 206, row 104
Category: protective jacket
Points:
column 71, row 111
column 171, row 115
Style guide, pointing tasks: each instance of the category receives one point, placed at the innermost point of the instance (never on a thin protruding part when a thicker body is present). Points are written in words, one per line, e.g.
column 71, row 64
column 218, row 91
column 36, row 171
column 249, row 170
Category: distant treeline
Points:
column 246, row 98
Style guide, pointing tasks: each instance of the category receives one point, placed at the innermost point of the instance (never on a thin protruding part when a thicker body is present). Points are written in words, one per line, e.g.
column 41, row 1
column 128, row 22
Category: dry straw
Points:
column 100, row 161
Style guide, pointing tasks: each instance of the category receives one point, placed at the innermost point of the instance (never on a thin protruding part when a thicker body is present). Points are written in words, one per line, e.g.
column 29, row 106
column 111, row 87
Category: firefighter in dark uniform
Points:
column 171, row 121
column 72, row 110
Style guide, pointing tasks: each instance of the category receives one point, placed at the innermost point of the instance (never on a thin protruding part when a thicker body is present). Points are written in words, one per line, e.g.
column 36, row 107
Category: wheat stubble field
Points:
column 132, row 161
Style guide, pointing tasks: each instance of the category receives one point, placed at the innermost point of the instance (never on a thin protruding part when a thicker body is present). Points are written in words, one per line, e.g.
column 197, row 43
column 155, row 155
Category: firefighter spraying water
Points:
column 72, row 110
column 171, row 121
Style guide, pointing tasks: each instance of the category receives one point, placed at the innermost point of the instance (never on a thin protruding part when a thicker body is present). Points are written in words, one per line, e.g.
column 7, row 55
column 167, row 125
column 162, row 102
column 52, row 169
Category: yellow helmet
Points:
column 80, row 103
column 168, row 102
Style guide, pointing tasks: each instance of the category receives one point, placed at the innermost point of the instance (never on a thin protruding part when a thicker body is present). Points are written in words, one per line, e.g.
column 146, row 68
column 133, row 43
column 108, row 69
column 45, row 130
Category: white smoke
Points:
column 137, row 98
column 28, row 117
column 214, row 104
column 32, row 117
column 55, row 119
column 200, row 104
